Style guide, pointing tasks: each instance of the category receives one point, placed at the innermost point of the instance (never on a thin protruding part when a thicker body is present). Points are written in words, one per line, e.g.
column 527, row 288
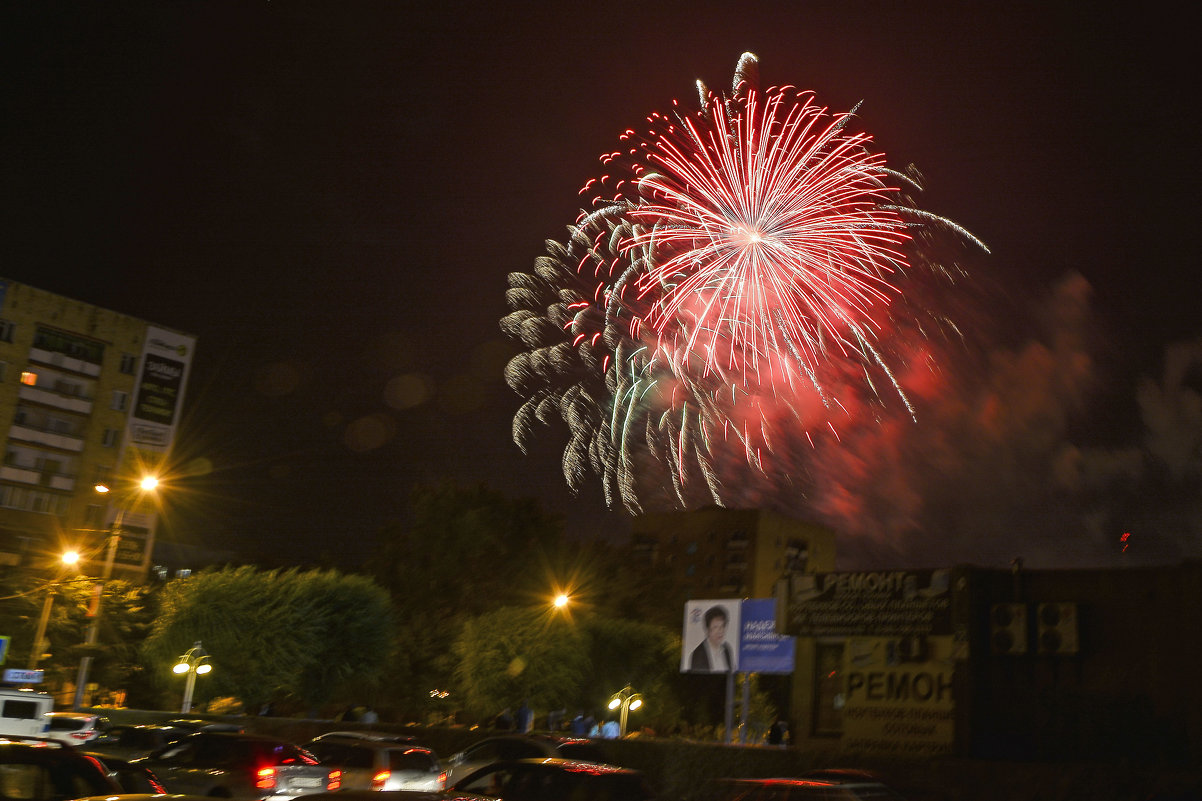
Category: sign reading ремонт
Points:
column 875, row 603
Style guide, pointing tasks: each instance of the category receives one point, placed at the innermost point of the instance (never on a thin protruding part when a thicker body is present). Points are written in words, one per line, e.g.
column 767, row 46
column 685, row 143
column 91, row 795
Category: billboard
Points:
column 898, row 696
column 734, row 635
column 761, row 649
column 159, row 394
column 879, row 603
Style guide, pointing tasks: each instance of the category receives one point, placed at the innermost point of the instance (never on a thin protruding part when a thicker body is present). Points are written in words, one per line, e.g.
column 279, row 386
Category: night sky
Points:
column 331, row 195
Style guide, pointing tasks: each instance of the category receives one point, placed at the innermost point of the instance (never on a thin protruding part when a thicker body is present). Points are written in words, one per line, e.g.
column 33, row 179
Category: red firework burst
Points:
column 763, row 236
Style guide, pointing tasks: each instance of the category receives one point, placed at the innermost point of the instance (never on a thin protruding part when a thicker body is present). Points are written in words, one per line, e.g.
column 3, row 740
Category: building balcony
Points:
column 22, row 475
column 59, row 481
column 64, row 362
column 51, row 439
column 26, row 475
column 55, row 400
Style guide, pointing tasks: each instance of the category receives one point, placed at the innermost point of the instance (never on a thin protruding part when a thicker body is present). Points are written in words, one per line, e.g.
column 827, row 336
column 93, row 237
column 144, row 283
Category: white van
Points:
column 23, row 712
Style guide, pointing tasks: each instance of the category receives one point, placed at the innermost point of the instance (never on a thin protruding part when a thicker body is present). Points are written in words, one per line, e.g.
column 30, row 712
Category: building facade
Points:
column 728, row 553
column 88, row 397
column 1053, row 665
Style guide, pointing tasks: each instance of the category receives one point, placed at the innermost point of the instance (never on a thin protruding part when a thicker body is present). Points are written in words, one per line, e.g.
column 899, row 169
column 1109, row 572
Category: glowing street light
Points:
column 194, row 662
column 628, row 700
column 39, row 639
column 562, row 600
column 146, row 484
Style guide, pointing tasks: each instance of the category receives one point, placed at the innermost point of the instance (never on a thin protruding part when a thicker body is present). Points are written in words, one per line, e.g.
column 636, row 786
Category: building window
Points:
column 93, row 515
column 70, row 345
column 110, row 437
column 129, row 363
column 3, row 370
column 29, row 379
column 6, row 330
column 120, row 400
column 797, row 556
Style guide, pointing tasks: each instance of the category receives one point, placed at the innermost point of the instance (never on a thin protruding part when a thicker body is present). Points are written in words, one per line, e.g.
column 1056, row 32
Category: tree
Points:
column 277, row 635
column 457, row 535
column 127, row 613
column 511, row 655
column 643, row 655
column 457, row 532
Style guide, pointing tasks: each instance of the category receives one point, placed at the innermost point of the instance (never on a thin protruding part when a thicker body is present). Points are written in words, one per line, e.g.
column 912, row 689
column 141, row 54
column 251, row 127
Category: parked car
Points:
column 132, row 778
column 76, row 728
column 44, row 769
column 551, row 779
column 392, row 738
column 133, row 741
column 234, row 765
column 379, row 763
column 828, row 785
column 507, row 747
column 390, row 795
column 198, row 724
column 23, row 712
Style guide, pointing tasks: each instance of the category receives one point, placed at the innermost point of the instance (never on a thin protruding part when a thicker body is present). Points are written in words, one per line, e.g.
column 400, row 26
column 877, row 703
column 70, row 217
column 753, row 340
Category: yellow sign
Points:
column 898, row 695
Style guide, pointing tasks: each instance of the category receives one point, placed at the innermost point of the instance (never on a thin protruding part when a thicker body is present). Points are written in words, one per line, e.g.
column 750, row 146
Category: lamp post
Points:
column 194, row 662
column 147, row 484
column 39, row 639
column 627, row 699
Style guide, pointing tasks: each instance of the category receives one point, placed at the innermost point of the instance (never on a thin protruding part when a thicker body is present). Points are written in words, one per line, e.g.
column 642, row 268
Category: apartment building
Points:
column 88, row 397
column 729, row 553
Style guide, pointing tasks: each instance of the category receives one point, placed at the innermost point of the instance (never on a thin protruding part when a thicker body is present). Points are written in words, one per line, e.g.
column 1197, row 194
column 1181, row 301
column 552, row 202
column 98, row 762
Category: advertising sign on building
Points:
column 882, row 603
column 159, row 394
column 889, row 635
column 132, row 547
column 898, row 695
column 734, row 635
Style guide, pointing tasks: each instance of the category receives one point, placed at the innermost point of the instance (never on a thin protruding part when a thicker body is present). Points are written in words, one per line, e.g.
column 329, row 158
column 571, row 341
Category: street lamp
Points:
column 627, row 699
column 39, row 639
column 146, row 484
column 194, row 662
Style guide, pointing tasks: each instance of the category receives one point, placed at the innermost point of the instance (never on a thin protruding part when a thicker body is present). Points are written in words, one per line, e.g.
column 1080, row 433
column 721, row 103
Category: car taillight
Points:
column 442, row 780
column 334, row 780
column 378, row 781
column 81, row 735
column 265, row 779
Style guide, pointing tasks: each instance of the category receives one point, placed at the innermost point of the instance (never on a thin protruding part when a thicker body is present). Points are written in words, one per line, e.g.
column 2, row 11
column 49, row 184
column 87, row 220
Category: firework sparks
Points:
column 732, row 294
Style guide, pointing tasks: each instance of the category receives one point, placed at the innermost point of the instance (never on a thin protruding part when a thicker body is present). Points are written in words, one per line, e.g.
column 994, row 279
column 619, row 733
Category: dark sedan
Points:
column 233, row 765
column 555, row 780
